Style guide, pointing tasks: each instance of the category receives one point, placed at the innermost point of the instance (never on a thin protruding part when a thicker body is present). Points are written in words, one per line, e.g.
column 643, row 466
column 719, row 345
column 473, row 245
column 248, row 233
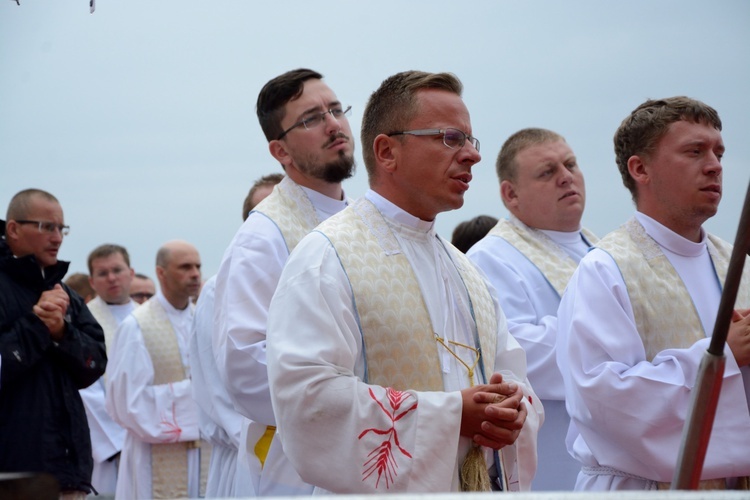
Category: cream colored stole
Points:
column 294, row 214
column 551, row 260
column 663, row 309
column 291, row 210
column 664, row 312
column 398, row 337
column 399, row 341
column 100, row 310
column 169, row 467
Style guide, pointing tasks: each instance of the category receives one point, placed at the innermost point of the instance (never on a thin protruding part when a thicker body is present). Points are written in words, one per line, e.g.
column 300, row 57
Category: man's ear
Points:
column 278, row 150
column 160, row 274
column 508, row 194
column 11, row 230
column 386, row 152
column 638, row 170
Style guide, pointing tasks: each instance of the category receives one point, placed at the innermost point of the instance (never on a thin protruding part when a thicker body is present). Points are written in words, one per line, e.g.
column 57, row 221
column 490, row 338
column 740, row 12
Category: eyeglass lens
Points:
column 454, row 138
column 317, row 119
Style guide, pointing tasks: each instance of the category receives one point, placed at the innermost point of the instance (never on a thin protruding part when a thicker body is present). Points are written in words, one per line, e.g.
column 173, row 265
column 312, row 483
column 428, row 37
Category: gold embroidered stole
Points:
column 551, row 260
column 398, row 337
column 664, row 312
column 169, row 466
column 663, row 309
column 100, row 310
column 399, row 341
column 291, row 210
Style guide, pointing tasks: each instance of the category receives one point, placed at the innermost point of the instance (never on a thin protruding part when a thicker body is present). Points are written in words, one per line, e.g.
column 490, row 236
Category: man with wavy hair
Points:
column 638, row 313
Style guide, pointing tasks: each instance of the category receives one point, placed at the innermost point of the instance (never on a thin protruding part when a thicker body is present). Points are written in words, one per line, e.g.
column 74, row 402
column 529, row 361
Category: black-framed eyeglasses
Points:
column 452, row 137
column 141, row 295
column 315, row 120
column 47, row 227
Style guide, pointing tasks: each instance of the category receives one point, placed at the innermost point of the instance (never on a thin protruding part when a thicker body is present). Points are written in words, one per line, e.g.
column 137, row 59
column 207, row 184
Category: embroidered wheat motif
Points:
column 381, row 460
column 173, row 430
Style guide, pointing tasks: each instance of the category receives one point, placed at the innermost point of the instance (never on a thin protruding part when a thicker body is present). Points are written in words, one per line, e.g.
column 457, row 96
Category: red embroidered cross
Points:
column 381, row 459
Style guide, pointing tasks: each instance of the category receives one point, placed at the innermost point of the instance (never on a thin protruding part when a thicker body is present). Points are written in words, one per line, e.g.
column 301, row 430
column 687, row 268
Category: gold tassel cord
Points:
column 474, row 475
column 469, row 369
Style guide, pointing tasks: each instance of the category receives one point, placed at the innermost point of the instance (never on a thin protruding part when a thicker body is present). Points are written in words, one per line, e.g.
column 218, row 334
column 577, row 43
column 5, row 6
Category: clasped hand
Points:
column 493, row 413
column 738, row 337
column 51, row 309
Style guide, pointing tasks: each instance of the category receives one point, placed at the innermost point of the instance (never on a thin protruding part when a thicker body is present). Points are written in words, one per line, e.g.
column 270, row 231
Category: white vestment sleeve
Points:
column 107, row 437
column 246, row 282
column 223, row 425
column 630, row 412
column 154, row 413
column 376, row 439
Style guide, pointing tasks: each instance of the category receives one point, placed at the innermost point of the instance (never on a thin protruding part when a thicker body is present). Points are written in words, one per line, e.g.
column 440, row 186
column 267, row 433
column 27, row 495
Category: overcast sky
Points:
column 141, row 119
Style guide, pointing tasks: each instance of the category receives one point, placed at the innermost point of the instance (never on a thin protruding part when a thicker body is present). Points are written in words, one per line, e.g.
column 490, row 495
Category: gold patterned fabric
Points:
column 663, row 309
column 551, row 260
column 664, row 312
column 394, row 319
column 291, row 210
column 169, row 465
column 401, row 351
column 100, row 310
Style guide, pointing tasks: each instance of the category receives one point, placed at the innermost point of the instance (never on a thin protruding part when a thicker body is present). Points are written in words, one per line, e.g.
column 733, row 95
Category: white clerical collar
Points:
column 121, row 311
column 563, row 237
column 323, row 203
column 127, row 306
column 670, row 240
column 397, row 214
column 169, row 307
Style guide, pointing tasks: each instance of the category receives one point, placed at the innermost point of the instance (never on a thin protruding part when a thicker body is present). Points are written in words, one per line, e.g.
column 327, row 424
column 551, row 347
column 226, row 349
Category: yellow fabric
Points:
column 399, row 340
column 551, row 260
column 263, row 444
column 105, row 318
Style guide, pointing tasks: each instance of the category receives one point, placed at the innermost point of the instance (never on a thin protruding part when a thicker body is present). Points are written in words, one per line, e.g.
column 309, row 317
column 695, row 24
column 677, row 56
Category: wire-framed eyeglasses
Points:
column 316, row 119
column 452, row 137
column 47, row 227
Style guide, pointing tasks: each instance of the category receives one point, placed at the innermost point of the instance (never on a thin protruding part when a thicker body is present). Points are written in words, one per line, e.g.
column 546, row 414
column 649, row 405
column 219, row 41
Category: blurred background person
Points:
column 470, row 231
column 142, row 288
column 110, row 277
column 79, row 282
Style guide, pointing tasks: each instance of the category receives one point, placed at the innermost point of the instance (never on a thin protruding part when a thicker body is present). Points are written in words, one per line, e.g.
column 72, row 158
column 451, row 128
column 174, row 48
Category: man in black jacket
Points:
column 50, row 345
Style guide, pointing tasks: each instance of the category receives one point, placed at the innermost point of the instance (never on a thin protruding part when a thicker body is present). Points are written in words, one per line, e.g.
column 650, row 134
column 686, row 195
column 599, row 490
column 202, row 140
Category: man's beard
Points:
column 332, row 172
column 339, row 169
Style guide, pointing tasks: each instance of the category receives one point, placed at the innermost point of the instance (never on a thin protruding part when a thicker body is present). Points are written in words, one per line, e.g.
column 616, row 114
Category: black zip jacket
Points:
column 43, row 425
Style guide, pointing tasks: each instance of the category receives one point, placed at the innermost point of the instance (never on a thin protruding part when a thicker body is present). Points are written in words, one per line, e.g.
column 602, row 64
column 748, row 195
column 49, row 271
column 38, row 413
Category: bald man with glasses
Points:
column 51, row 347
